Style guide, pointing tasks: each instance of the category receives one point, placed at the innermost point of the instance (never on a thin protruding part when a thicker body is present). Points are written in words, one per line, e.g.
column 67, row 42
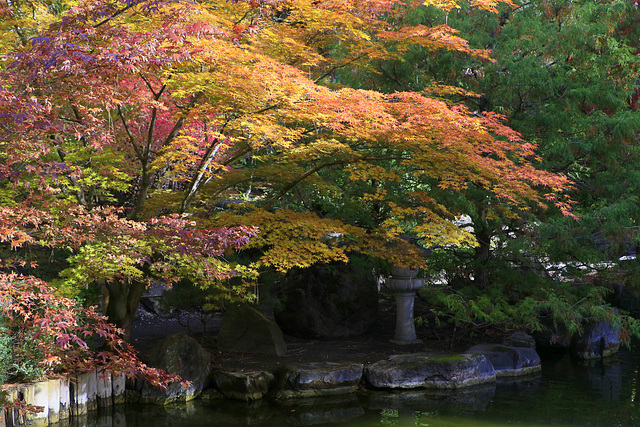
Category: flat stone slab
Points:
column 421, row 370
column 318, row 379
column 246, row 386
column 509, row 361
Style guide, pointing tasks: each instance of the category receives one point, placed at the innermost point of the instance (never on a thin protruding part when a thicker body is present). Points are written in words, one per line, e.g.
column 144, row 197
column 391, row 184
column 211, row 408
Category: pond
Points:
column 566, row 393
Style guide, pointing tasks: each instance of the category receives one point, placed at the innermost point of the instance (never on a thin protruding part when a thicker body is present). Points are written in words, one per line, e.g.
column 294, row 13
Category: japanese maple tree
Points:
column 167, row 107
column 49, row 334
column 121, row 256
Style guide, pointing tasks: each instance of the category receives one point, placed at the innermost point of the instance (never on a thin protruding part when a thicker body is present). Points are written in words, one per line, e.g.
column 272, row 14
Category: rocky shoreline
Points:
column 365, row 367
column 183, row 355
column 479, row 365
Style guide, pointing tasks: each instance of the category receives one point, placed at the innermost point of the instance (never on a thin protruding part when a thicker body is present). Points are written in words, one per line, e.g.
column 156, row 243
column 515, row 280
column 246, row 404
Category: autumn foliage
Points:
column 150, row 95
column 124, row 125
column 56, row 336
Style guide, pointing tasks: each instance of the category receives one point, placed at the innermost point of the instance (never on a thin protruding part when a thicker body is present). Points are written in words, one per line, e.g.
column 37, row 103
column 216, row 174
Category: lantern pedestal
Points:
column 403, row 284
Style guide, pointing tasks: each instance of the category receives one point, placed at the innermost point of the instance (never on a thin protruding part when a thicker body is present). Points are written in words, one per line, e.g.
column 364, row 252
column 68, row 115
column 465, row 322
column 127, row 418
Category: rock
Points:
column 596, row 340
column 328, row 301
column 245, row 386
column 520, row 339
column 599, row 340
column 245, row 329
column 551, row 339
column 422, row 370
column 318, row 379
column 509, row 361
column 210, row 395
column 626, row 297
column 182, row 355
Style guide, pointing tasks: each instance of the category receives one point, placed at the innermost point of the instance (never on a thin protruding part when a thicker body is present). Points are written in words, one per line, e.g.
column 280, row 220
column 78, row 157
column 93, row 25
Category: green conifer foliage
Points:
column 564, row 74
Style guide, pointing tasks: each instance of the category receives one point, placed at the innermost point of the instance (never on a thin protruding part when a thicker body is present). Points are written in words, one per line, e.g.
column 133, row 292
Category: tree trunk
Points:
column 143, row 191
column 482, row 255
column 122, row 304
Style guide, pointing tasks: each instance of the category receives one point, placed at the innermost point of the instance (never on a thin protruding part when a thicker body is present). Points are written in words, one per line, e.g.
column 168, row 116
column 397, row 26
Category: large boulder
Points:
column 421, row 370
column 596, row 340
column 328, row 301
column 520, row 339
column 247, row 330
column 182, row 355
column 318, row 379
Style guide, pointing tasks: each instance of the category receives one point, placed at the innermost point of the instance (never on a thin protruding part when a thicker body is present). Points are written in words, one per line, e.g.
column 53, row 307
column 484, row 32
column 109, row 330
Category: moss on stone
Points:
column 451, row 358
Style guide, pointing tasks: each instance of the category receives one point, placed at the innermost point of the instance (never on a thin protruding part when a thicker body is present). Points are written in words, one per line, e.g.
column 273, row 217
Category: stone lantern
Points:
column 403, row 284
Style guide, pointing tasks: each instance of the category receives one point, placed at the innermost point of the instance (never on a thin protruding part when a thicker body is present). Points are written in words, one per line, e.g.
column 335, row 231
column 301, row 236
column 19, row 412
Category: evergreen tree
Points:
column 565, row 75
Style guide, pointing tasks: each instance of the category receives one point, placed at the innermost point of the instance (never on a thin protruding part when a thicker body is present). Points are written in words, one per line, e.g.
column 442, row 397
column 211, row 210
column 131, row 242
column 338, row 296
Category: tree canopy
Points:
column 565, row 77
column 155, row 138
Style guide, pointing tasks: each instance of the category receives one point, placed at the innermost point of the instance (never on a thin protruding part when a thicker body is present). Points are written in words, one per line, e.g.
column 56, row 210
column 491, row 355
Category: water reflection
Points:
column 470, row 399
column 328, row 410
column 566, row 393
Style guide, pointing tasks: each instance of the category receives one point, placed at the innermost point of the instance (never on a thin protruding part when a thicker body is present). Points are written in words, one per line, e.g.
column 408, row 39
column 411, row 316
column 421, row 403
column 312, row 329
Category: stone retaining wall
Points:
column 77, row 395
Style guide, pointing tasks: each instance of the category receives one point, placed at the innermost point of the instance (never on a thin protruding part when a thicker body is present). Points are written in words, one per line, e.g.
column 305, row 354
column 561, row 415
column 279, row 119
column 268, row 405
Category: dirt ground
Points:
column 370, row 347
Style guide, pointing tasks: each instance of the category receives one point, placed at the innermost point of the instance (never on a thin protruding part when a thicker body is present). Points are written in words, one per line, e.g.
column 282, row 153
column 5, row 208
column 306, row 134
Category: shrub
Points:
column 44, row 333
column 5, row 354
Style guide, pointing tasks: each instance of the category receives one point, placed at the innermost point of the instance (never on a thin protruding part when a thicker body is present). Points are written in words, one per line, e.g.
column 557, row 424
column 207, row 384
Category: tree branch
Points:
column 337, row 67
column 114, row 14
column 181, row 120
column 152, row 123
column 195, row 183
column 132, row 140
column 315, row 169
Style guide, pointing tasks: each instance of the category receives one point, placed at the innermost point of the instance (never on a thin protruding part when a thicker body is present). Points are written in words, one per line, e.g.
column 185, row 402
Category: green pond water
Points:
column 566, row 393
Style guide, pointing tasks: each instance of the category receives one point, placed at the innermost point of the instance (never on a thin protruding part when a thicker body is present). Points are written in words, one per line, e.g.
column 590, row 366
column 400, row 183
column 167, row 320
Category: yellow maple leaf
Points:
column 446, row 5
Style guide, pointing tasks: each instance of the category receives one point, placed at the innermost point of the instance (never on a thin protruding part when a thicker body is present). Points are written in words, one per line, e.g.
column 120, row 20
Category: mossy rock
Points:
column 243, row 385
column 318, row 379
column 245, row 329
column 184, row 356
